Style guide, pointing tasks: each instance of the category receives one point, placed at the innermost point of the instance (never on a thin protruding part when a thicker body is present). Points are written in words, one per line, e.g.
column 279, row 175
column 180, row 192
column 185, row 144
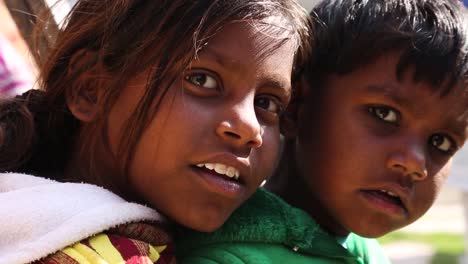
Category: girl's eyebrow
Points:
column 272, row 81
column 221, row 59
column 277, row 83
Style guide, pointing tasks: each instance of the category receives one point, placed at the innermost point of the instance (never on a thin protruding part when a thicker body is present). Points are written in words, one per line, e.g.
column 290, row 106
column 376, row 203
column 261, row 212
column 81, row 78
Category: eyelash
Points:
column 452, row 148
column 376, row 111
column 434, row 140
column 279, row 106
column 188, row 77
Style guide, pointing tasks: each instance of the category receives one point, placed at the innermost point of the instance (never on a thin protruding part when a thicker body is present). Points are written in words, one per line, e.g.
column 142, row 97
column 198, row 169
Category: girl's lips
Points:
column 222, row 169
column 385, row 203
column 219, row 183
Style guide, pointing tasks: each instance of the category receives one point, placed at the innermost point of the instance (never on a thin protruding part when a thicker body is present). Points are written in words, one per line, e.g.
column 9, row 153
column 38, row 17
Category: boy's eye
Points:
column 442, row 143
column 268, row 104
column 202, row 80
column 384, row 113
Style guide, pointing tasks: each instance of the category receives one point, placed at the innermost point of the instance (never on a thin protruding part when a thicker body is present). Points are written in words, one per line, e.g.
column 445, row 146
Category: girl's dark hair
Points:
column 430, row 34
column 37, row 132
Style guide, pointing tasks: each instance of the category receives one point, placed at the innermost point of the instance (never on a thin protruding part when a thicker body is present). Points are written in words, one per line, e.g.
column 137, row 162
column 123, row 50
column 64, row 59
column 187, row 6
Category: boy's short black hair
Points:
column 431, row 34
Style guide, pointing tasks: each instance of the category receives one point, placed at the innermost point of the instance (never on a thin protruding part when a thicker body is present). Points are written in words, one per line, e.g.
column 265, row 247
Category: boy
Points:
column 383, row 108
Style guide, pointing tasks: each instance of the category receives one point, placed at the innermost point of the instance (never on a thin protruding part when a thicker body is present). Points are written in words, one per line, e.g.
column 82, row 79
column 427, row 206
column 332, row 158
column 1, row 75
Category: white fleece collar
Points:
column 39, row 216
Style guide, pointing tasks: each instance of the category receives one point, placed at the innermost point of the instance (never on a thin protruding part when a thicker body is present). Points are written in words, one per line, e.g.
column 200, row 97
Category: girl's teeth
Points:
column 221, row 169
column 231, row 172
column 389, row 193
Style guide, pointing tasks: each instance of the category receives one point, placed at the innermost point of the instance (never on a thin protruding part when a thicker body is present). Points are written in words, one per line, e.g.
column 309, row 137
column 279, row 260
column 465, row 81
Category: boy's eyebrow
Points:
column 388, row 90
column 459, row 128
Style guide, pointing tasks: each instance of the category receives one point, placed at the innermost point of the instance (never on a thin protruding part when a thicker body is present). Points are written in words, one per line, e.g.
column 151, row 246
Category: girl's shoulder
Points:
column 44, row 216
column 130, row 243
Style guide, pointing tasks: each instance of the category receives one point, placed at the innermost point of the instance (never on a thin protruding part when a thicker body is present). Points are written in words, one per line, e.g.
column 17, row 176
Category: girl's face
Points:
column 215, row 137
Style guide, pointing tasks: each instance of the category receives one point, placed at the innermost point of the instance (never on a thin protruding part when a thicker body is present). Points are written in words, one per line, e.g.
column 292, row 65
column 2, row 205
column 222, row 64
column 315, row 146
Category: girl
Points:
column 370, row 139
column 173, row 104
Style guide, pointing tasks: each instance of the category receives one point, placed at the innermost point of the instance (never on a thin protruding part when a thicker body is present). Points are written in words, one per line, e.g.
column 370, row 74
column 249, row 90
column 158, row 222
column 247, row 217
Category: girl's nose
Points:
column 241, row 127
column 409, row 159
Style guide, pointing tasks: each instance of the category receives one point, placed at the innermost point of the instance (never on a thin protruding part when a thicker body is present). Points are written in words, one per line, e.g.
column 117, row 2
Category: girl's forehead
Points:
column 278, row 27
column 264, row 36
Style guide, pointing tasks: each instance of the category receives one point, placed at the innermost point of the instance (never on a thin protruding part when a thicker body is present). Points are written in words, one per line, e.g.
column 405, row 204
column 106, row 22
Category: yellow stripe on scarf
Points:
column 102, row 244
column 160, row 248
column 83, row 254
column 75, row 255
column 154, row 252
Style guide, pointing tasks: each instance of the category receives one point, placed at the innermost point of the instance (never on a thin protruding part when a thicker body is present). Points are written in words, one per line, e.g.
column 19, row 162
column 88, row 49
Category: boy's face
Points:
column 375, row 151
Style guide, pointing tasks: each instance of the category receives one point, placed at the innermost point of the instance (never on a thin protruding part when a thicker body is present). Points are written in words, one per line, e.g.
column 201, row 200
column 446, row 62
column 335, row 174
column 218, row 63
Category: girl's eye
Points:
column 203, row 80
column 384, row 113
column 268, row 104
column 442, row 143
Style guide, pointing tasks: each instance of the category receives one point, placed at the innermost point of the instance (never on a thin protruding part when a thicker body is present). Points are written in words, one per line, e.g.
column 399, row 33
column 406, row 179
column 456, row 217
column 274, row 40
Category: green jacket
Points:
column 267, row 230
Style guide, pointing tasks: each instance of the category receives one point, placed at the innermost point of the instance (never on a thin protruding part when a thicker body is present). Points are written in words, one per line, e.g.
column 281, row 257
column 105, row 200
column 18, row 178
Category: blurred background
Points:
column 439, row 237
column 17, row 68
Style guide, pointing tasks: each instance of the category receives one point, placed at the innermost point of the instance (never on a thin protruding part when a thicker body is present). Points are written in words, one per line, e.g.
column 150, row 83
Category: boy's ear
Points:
column 290, row 118
column 87, row 75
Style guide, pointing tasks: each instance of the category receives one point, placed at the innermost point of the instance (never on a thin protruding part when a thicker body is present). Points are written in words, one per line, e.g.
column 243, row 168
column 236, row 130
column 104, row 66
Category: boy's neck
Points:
column 288, row 184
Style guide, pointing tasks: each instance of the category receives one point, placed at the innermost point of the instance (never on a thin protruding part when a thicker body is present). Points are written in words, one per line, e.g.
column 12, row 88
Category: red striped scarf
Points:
column 139, row 243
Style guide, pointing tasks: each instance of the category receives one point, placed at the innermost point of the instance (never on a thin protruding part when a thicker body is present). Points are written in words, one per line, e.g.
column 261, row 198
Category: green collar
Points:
column 266, row 218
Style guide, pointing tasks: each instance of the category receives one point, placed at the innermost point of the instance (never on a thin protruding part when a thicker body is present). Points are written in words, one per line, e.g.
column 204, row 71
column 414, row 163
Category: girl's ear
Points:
column 289, row 120
column 88, row 76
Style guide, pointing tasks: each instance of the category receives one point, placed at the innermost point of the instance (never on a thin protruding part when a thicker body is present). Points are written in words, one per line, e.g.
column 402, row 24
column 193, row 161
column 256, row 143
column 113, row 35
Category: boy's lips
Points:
column 391, row 198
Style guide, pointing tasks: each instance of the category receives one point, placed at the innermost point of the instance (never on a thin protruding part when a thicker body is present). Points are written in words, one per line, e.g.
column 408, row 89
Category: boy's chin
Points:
column 374, row 230
column 373, row 234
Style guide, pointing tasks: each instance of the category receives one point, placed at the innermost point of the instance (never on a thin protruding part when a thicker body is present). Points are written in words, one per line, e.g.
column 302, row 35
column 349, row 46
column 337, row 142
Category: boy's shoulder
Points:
column 268, row 230
column 369, row 249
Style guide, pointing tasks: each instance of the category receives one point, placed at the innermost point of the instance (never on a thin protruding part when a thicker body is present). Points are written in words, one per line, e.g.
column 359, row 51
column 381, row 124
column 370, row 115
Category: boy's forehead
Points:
column 454, row 103
column 380, row 79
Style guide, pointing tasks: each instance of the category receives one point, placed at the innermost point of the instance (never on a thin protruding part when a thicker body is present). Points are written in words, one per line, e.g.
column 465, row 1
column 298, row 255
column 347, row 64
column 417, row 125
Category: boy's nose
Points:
column 409, row 159
column 241, row 126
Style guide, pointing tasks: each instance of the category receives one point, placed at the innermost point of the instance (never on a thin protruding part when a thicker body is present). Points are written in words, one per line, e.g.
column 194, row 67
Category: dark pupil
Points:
column 262, row 102
column 382, row 112
column 437, row 140
column 199, row 79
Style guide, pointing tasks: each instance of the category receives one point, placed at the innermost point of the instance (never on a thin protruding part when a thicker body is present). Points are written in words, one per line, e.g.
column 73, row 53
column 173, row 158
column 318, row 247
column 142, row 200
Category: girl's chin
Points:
column 205, row 222
column 205, row 227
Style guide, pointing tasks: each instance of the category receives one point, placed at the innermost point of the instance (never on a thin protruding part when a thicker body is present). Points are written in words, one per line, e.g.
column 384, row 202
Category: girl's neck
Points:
column 93, row 168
